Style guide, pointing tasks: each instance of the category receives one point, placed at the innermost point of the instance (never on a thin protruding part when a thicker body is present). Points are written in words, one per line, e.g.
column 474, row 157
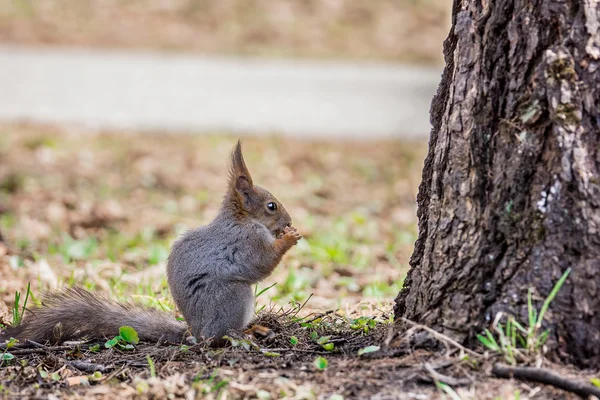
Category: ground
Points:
column 99, row 209
column 375, row 29
column 102, row 210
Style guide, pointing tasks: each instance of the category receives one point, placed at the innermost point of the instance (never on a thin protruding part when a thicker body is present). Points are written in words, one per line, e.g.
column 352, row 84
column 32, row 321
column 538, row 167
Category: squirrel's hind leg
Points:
column 226, row 309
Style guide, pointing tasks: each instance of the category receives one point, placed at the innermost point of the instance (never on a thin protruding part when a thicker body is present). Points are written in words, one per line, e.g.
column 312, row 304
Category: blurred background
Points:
column 117, row 118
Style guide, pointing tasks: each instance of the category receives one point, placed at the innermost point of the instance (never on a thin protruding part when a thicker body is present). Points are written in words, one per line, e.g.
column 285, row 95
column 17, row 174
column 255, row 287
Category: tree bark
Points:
column 510, row 194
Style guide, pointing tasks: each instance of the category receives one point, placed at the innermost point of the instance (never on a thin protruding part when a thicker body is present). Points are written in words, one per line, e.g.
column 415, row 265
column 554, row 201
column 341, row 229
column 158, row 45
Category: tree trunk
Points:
column 510, row 195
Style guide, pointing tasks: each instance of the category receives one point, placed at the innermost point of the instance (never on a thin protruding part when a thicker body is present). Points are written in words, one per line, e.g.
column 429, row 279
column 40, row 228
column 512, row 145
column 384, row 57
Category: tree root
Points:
column 547, row 377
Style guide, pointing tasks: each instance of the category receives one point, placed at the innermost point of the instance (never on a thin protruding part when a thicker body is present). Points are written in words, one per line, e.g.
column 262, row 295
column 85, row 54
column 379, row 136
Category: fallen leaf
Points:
column 78, row 381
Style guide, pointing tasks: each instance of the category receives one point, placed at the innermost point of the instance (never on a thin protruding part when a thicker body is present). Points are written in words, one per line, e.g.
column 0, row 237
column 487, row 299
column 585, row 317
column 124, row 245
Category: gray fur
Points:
column 76, row 313
column 211, row 271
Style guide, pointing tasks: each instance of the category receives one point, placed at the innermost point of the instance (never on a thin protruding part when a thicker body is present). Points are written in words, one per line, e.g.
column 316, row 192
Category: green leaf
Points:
column 95, row 348
column 530, row 310
column 323, row 339
column 320, row 363
column 368, row 349
column 43, row 374
column 112, row 342
column 551, row 296
column 294, row 340
column 489, row 341
column 129, row 335
column 270, row 354
column 151, row 365
column 7, row 357
column 96, row 375
column 257, row 293
column 543, row 337
column 328, row 346
column 11, row 342
column 595, row 382
column 55, row 376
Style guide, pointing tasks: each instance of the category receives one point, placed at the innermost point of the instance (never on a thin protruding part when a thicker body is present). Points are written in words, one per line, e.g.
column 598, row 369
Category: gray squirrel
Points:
column 211, row 271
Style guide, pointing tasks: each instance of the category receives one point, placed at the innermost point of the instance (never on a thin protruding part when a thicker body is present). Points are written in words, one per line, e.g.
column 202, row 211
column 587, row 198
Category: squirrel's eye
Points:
column 272, row 206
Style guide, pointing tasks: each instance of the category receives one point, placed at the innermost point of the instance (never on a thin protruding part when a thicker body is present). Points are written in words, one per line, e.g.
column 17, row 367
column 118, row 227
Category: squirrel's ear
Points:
column 240, row 178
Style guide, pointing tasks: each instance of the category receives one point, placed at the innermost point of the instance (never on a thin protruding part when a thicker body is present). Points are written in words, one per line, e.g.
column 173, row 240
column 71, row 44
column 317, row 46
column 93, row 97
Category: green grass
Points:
column 17, row 314
column 521, row 341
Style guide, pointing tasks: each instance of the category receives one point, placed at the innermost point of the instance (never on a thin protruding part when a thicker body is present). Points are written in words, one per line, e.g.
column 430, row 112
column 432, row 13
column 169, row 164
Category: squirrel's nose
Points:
column 289, row 224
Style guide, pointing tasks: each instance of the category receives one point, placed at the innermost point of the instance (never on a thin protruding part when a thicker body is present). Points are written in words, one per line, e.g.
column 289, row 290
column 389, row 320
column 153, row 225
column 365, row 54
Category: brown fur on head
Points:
column 254, row 201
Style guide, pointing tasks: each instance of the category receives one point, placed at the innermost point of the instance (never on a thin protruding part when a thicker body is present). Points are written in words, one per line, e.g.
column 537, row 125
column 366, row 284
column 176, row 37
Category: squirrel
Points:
column 210, row 271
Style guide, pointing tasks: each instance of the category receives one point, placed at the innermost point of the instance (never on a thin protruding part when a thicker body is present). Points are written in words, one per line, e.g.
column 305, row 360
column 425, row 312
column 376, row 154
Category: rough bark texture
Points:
column 510, row 196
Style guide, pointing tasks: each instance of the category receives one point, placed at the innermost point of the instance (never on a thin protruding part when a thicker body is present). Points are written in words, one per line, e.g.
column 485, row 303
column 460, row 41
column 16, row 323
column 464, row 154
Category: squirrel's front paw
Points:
column 292, row 235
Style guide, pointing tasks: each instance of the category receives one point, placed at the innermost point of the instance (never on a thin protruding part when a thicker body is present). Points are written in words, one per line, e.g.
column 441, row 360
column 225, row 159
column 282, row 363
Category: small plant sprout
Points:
column 447, row 390
column 368, row 349
column 17, row 315
column 257, row 293
column 96, row 376
column 324, row 342
column 515, row 341
column 320, row 363
column 246, row 344
column 151, row 366
column 364, row 324
column 125, row 340
column 6, row 356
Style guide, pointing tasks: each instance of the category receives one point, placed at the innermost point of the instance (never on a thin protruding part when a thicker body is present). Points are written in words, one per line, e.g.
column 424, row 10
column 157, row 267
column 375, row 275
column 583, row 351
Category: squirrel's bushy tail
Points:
column 75, row 313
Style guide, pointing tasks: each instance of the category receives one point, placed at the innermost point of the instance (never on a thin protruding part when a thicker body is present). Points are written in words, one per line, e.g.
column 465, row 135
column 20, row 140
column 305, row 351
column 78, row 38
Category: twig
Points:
column 442, row 364
column 302, row 306
column 115, row 373
column 88, row 367
column 35, row 344
column 319, row 315
column 547, row 377
column 27, row 351
column 442, row 337
column 295, row 350
column 444, row 378
column 40, row 350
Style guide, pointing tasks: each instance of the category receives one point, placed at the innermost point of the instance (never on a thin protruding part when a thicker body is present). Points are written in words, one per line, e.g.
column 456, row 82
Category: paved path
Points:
column 150, row 91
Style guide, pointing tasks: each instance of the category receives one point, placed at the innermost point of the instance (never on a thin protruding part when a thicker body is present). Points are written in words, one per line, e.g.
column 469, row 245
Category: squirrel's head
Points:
column 254, row 201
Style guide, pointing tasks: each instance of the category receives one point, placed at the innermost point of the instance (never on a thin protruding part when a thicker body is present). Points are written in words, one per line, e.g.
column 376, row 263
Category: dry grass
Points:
column 406, row 30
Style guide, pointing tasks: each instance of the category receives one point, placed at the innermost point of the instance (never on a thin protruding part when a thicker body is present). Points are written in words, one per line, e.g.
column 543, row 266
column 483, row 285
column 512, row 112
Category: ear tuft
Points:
column 240, row 178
